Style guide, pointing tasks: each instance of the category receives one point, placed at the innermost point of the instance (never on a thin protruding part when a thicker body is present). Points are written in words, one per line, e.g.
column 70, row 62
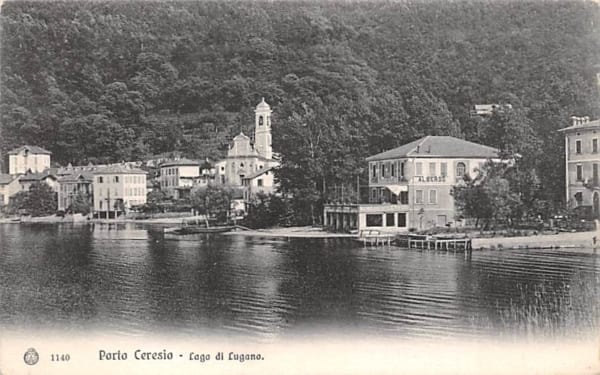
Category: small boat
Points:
column 193, row 229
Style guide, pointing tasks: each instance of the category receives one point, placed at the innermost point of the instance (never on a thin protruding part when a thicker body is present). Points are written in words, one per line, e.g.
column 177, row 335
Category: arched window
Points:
column 461, row 169
column 260, row 120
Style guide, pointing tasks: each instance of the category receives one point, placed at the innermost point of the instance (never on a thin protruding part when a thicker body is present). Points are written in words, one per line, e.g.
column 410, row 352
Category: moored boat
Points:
column 193, row 229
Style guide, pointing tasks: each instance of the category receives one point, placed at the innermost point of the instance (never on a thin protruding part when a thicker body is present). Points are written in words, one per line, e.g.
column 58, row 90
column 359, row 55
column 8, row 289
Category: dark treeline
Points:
column 110, row 81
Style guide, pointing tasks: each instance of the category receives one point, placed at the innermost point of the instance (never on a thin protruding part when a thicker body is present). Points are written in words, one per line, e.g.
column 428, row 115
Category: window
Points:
column 432, row 196
column 595, row 145
column 374, row 220
column 419, row 197
column 461, row 169
column 242, row 165
column 432, row 169
column 578, row 146
column 100, row 180
column 419, row 169
column 374, row 171
column 443, row 169
column 260, row 120
column 382, row 166
column 402, row 169
column 116, row 179
column 259, row 182
column 579, row 172
column 390, row 220
column 401, row 219
column 100, row 204
column 393, row 171
column 404, row 197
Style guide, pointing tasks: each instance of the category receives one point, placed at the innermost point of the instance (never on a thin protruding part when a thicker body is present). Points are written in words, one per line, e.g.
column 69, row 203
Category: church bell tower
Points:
column 262, row 129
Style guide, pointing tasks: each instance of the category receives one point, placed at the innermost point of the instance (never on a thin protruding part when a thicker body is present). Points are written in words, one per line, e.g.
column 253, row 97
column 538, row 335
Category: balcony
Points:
column 368, row 195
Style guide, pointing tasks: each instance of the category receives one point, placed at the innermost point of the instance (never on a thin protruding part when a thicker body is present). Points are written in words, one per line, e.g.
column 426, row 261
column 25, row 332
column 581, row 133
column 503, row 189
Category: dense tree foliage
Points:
column 108, row 81
column 268, row 210
column 502, row 193
column 39, row 200
column 212, row 200
column 81, row 204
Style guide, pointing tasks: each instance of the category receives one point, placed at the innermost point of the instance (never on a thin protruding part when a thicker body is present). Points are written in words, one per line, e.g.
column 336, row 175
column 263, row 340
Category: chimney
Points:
column 573, row 120
column 418, row 147
column 586, row 119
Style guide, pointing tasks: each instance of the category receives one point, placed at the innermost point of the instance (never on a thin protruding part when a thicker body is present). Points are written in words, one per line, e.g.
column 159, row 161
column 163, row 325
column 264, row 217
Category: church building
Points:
column 246, row 158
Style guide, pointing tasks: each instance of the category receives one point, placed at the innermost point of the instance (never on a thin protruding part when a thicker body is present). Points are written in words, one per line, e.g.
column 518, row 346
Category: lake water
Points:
column 129, row 279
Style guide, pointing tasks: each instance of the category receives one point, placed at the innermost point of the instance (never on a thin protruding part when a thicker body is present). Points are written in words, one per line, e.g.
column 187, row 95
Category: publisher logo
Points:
column 31, row 357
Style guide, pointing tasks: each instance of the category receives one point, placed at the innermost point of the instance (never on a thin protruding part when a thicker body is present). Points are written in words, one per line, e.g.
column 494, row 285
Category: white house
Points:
column 9, row 186
column 177, row 177
column 116, row 189
column 28, row 159
column 582, row 160
column 410, row 186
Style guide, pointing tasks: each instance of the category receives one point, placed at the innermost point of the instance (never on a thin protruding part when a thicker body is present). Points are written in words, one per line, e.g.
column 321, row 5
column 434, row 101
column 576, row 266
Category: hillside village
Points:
column 410, row 187
column 113, row 190
column 164, row 104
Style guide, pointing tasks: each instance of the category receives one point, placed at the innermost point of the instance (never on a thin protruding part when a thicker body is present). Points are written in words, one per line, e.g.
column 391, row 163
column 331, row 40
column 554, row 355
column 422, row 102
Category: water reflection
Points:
column 129, row 278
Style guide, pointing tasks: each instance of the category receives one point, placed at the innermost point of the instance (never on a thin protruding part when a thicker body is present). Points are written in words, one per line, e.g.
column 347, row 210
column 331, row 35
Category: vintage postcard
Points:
column 299, row 187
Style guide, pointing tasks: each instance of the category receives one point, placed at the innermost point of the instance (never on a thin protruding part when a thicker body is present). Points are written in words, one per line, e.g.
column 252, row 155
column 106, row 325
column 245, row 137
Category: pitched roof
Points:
column 76, row 176
column 438, row 146
column 586, row 125
column 258, row 173
column 36, row 176
column 31, row 149
column 179, row 162
column 119, row 169
column 6, row 178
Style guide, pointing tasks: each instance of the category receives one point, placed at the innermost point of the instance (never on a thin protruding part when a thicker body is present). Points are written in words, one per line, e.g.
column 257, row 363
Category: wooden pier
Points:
column 374, row 238
column 424, row 242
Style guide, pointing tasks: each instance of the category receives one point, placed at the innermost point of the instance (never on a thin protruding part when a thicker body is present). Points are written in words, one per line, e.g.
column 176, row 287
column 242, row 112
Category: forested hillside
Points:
column 110, row 81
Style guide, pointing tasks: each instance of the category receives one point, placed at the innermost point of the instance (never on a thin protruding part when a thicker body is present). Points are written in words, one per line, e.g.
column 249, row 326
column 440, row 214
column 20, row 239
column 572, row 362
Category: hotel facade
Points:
column 117, row 189
column 410, row 187
column 582, row 160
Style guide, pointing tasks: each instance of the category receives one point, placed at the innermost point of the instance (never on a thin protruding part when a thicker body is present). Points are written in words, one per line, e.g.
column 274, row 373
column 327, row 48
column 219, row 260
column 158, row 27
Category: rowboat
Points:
column 193, row 229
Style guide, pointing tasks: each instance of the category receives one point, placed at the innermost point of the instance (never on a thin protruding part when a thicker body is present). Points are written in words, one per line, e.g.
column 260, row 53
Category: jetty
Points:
column 375, row 238
column 426, row 242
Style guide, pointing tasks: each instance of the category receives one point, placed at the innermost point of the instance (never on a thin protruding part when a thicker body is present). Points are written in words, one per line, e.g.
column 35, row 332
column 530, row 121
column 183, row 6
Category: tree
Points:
column 488, row 197
column 212, row 200
column 154, row 200
column 16, row 202
column 268, row 210
column 40, row 200
column 81, row 204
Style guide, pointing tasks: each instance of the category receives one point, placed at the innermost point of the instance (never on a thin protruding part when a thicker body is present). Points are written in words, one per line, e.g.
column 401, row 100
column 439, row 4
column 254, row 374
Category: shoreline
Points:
column 572, row 241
